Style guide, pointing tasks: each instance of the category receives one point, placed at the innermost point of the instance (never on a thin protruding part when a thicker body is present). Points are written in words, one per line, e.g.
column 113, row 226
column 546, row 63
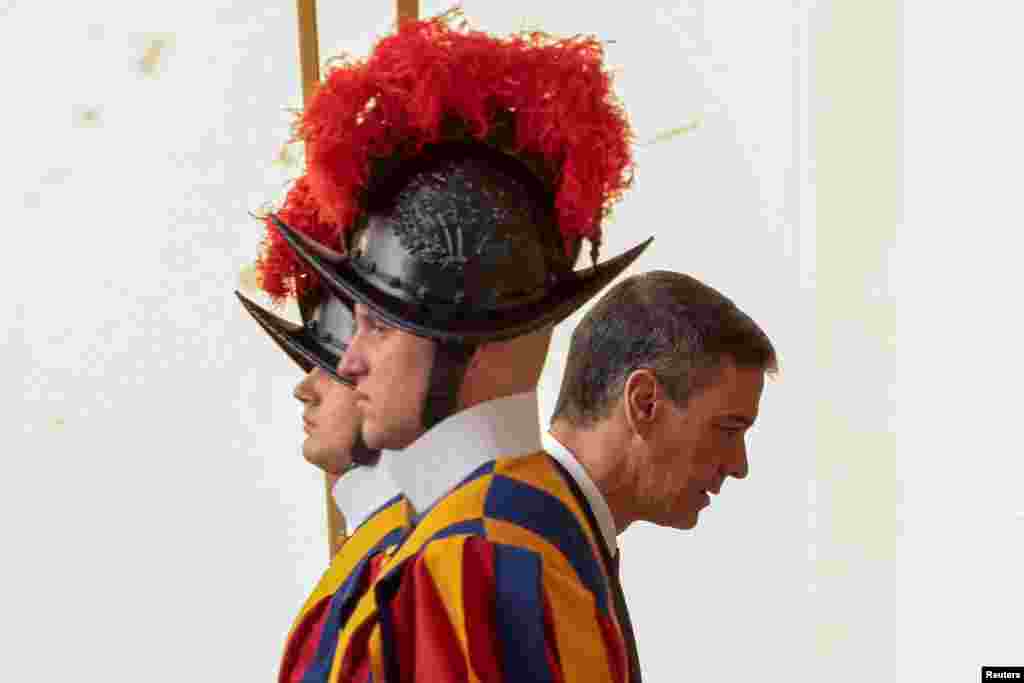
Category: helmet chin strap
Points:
column 451, row 359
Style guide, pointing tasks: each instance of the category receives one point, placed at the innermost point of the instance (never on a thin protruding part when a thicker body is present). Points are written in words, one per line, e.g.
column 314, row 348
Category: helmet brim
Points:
column 460, row 324
column 296, row 341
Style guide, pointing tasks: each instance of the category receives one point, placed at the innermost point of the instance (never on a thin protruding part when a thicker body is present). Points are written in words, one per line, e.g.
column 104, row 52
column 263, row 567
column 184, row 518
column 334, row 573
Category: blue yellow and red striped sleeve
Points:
column 501, row 581
column 469, row 609
column 309, row 649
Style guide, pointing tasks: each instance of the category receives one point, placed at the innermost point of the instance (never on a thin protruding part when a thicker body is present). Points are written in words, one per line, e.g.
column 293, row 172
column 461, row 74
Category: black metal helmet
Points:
column 459, row 169
column 322, row 338
column 461, row 246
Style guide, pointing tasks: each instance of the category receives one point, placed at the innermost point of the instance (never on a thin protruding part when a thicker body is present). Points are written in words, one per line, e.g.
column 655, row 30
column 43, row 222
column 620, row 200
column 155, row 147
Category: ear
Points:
column 640, row 401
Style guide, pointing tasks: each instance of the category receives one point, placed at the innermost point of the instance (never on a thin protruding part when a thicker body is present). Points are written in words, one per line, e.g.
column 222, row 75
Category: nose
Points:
column 352, row 363
column 740, row 467
column 305, row 390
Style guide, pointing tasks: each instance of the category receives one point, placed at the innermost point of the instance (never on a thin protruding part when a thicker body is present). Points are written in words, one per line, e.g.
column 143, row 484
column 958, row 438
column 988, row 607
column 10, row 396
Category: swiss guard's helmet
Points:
column 320, row 341
column 461, row 172
column 327, row 321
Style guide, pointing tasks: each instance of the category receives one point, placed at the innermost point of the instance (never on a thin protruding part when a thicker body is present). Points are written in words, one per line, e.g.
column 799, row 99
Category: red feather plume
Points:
column 281, row 274
column 415, row 82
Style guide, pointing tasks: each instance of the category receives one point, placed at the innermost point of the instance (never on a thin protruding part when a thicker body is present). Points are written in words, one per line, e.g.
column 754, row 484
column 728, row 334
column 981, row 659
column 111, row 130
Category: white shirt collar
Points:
column 450, row 450
column 362, row 491
column 598, row 504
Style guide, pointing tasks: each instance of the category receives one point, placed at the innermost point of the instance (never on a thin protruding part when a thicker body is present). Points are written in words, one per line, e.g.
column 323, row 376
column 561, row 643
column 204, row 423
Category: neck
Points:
column 605, row 456
column 501, row 369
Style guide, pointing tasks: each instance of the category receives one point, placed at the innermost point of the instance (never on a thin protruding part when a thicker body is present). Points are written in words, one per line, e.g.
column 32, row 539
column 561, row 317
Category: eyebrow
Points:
column 370, row 316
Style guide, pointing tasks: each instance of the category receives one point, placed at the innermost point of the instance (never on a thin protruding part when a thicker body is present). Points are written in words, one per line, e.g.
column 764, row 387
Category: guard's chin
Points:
column 392, row 437
column 308, row 451
column 369, row 439
column 317, row 458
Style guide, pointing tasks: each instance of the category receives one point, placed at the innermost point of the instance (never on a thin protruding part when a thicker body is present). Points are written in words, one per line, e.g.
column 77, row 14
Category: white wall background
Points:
column 956, row 270
column 159, row 521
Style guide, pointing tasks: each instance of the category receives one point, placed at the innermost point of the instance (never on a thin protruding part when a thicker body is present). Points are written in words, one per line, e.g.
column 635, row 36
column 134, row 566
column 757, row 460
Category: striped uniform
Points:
column 500, row 580
column 309, row 648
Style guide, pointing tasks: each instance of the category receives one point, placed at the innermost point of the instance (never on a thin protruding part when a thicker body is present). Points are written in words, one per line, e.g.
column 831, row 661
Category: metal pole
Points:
column 408, row 10
column 309, row 62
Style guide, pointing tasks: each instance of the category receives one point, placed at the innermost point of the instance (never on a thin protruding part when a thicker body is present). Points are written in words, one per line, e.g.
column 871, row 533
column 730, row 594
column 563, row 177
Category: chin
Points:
column 393, row 439
column 314, row 456
column 309, row 450
column 373, row 439
column 683, row 522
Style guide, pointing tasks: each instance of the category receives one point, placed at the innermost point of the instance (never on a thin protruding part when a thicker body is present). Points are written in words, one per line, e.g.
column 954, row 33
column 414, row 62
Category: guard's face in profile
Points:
column 330, row 419
column 694, row 448
column 391, row 370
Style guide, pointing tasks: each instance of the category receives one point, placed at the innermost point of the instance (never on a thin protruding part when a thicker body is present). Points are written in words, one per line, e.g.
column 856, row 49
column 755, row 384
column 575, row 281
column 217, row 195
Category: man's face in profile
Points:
column 391, row 371
column 697, row 446
column 330, row 420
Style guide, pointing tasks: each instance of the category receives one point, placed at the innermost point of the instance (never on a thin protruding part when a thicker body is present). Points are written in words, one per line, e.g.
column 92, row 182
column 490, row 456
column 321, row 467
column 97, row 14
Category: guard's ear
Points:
column 640, row 400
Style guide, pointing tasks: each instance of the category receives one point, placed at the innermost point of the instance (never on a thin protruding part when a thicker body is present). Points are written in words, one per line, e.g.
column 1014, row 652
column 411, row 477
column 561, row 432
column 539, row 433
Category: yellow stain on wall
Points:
column 829, row 636
column 154, row 55
column 673, row 133
column 88, row 117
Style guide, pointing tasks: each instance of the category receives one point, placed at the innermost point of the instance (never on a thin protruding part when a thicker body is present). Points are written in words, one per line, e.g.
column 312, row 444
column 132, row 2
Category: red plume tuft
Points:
column 546, row 99
column 417, row 81
column 281, row 274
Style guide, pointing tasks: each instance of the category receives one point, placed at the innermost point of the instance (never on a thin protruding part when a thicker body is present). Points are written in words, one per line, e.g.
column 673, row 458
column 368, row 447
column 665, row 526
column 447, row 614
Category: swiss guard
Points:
column 376, row 512
column 459, row 173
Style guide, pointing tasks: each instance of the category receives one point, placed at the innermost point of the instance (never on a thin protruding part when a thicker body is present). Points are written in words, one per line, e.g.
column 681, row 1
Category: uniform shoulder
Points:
column 523, row 503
